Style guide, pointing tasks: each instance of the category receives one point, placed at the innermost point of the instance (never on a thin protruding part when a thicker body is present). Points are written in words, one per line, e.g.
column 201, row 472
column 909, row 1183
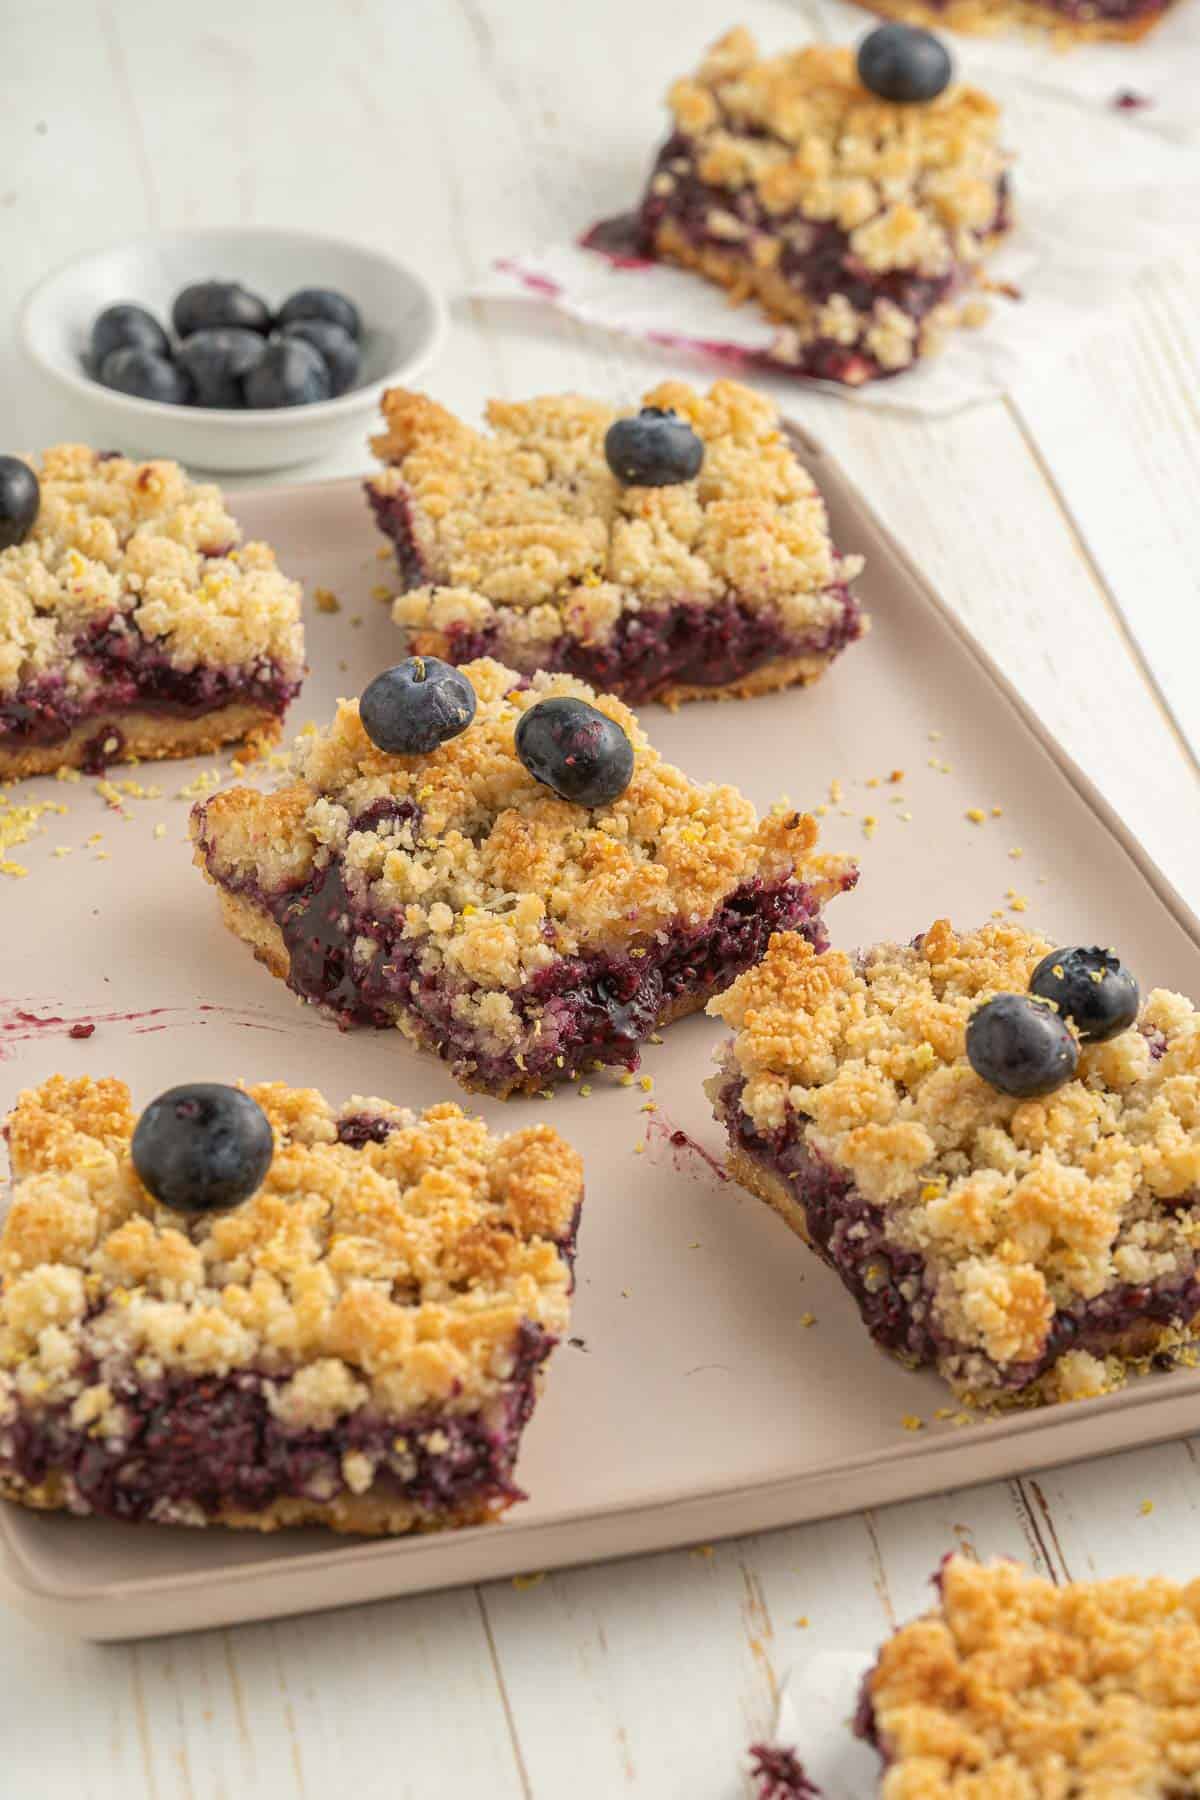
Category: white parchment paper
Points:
column 1098, row 197
column 816, row 1712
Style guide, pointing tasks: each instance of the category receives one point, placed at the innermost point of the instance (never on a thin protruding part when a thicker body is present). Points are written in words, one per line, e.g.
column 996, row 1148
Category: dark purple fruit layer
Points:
column 393, row 515
column 816, row 258
column 131, row 675
column 850, row 1234
column 590, row 1009
column 686, row 645
column 214, row 1444
column 689, row 644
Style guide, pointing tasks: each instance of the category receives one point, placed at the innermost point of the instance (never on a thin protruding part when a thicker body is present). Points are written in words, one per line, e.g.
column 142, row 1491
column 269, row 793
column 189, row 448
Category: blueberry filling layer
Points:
column 689, row 644
column 578, row 1011
column 894, row 1288
column 214, row 1445
column 393, row 515
column 589, row 1009
column 123, row 672
column 816, row 258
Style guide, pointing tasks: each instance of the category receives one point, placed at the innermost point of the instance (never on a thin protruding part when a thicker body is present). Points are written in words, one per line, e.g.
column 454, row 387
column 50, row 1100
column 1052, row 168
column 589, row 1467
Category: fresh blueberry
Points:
column 20, row 497
column 290, row 374
column 321, row 303
column 1020, row 1046
column 145, row 375
column 219, row 360
column 655, row 449
column 334, row 345
column 202, row 1147
column 904, row 63
column 578, row 751
column 127, row 327
column 205, row 305
column 1092, row 988
column 421, row 703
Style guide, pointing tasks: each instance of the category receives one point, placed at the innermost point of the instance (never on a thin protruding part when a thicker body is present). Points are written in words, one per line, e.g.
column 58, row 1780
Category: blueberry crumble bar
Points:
column 680, row 554
column 988, row 1140
column 532, row 898
column 355, row 1342
column 133, row 622
column 860, row 223
column 1070, row 21
column 1014, row 1689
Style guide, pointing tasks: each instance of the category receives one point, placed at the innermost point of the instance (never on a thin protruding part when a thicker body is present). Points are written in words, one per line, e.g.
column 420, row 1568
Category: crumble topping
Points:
column 139, row 550
column 493, row 874
column 1013, row 1686
column 528, row 522
column 1020, row 1206
column 395, row 1274
column 854, row 221
column 914, row 186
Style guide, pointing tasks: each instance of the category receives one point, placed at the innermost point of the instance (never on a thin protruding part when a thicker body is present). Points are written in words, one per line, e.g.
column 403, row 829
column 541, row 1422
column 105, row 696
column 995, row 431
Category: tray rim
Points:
column 662, row 1523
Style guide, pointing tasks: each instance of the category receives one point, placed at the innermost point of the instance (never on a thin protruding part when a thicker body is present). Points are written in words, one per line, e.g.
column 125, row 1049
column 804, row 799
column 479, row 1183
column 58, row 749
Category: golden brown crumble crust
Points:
column 1021, row 1206
column 915, row 188
column 1014, row 1689
column 361, row 1515
column 501, row 878
column 140, row 736
column 526, row 529
column 396, row 1275
column 142, row 546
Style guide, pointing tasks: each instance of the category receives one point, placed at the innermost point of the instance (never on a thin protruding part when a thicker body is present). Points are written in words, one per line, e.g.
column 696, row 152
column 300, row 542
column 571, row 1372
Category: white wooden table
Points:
column 451, row 131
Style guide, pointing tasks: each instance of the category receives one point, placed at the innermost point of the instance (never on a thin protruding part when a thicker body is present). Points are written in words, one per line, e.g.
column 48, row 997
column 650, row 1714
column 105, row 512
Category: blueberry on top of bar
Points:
column 1029, row 1247
column 904, row 64
column 134, row 622
column 356, row 1344
column 521, row 935
column 20, row 499
column 535, row 542
column 1012, row 1685
column 856, row 221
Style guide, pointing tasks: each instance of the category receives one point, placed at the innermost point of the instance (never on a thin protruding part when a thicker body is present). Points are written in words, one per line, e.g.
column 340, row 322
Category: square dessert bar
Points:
column 1031, row 1248
column 134, row 623
column 358, row 1344
column 1014, row 1689
column 1070, row 21
column 857, row 222
column 518, row 936
column 521, row 543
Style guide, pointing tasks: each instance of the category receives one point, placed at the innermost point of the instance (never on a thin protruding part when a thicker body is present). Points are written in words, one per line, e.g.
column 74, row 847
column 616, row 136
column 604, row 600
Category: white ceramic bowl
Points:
column 403, row 324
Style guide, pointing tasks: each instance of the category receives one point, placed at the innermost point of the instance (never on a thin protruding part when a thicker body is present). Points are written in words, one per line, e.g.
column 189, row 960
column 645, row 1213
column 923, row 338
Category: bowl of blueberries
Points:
column 230, row 349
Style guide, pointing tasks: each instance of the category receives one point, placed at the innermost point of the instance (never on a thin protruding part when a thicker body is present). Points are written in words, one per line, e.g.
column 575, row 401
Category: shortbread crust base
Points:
column 784, row 672
column 143, row 736
column 361, row 1515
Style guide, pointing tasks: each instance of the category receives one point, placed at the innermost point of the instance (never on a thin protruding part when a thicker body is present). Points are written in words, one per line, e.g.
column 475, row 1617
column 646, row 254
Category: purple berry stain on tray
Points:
column 778, row 1774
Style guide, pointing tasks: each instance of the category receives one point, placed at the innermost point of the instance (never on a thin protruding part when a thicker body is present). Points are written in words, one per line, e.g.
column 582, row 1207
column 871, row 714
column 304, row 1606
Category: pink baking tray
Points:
column 698, row 1403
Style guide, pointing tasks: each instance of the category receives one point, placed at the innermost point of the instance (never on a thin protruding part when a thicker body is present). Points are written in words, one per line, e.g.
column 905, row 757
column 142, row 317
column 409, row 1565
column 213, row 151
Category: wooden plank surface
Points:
column 452, row 132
